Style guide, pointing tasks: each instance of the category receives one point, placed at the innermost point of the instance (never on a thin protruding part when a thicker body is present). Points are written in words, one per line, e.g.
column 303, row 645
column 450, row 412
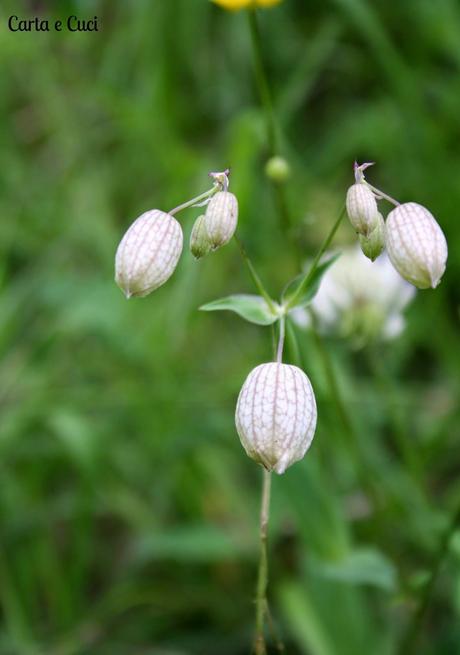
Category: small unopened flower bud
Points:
column 148, row 253
column 362, row 208
column 373, row 245
column 416, row 245
column 221, row 218
column 276, row 415
column 277, row 169
column 199, row 239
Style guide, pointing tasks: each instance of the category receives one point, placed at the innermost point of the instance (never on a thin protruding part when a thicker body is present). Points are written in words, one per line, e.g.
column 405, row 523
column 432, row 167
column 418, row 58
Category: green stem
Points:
column 194, row 201
column 279, row 645
column 381, row 194
column 285, row 219
column 262, row 580
column 307, row 279
column 270, row 118
column 365, row 476
column 409, row 640
column 331, row 378
column 407, row 451
column 279, row 350
column 293, row 344
column 255, row 277
column 262, row 82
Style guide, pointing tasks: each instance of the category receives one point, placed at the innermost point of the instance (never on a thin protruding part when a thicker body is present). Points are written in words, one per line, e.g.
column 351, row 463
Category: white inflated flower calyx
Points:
column 221, row 218
column 148, row 253
column 416, row 245
column 362, row 208
column 276, row 415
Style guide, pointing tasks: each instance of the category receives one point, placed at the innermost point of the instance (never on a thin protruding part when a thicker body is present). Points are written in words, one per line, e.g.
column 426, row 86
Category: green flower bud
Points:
column 200, row 245
column 373, row 245
column 277, row 169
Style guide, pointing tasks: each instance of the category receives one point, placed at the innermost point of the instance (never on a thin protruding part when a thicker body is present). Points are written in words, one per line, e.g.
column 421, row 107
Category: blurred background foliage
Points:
column 128, row 509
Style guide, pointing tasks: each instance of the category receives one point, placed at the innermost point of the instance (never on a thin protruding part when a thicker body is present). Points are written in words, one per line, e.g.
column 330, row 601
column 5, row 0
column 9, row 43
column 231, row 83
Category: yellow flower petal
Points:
column 267, row 3
column 234, row 5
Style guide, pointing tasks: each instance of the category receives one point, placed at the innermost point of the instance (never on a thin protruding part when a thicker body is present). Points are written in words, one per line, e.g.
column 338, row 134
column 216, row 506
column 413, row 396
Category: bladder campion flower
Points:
column 234, row 5
column 276, row 415
column 148, row 253
column 416, row 245
column 362, row 209
column 221, row 219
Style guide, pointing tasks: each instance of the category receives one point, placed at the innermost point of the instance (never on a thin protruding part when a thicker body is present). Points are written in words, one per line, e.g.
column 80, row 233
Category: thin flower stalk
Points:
column 325, row 245
column 202, row 198
column 271, row 123
column 409, row 642
column 260, row 647
column 254, row 275
column 262, row 580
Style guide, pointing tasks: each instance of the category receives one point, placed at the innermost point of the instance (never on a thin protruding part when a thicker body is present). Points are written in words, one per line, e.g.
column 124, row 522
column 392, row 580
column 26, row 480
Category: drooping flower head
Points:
column 221, row 218
column 415, row 242
column 361, row 204
column 416, row 245
column 148, row 253
column 276, row 415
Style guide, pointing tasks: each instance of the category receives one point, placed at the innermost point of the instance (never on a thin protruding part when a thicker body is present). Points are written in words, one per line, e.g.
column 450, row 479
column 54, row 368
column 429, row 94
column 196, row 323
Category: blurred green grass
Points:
column 129, row 510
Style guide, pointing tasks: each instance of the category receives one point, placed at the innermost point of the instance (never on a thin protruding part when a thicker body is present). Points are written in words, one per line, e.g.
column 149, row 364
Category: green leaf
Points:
column 312, row 288
column 362, row 566
column 304, row 621
column 252, row 308
column 190, row 543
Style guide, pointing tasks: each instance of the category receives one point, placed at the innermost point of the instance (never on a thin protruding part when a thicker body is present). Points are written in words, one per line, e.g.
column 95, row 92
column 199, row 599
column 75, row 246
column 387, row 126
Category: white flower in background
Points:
column 416, row 245
column 148, row 253
column 360, row 299
column 276, row 415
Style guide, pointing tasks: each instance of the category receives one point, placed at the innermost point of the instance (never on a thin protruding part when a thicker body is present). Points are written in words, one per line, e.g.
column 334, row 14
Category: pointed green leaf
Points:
column 309, row 285
column 189, row 543
column 252, row 308
column 304, row 621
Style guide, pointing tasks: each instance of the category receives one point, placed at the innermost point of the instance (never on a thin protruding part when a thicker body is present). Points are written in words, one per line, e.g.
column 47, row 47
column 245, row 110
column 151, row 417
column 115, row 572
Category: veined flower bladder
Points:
column 148, row 253
column 360, row 299
column 415, row 242
column 362, row 209
column 416, row 245
column 221, row 219
column 276, row 415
